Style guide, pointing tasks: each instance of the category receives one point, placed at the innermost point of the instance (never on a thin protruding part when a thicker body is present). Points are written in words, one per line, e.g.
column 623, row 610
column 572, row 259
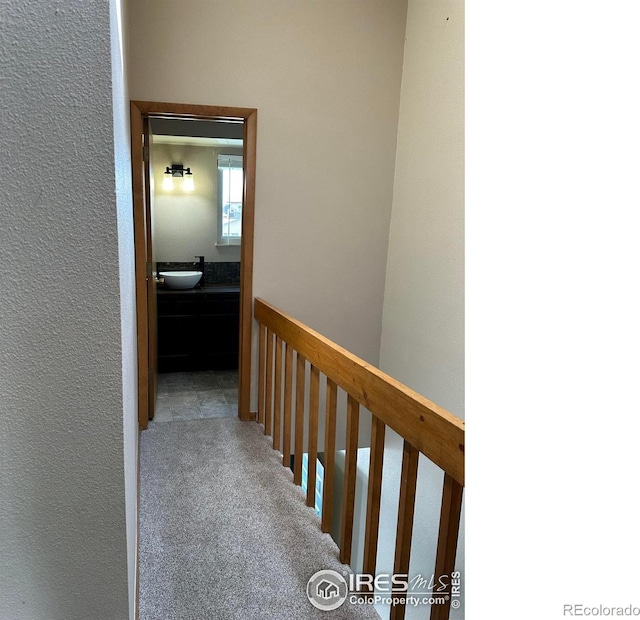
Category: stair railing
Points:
column 425, row 427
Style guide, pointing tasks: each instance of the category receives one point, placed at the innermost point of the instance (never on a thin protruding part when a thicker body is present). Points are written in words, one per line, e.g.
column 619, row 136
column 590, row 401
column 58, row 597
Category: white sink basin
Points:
column 181, row 279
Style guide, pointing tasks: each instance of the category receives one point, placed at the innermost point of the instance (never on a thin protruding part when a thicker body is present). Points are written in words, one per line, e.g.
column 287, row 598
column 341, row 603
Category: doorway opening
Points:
column 194, row 188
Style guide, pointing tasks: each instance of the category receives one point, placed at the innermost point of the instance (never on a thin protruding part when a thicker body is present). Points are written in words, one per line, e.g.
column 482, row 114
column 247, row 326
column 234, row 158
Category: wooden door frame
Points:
column 139, row 110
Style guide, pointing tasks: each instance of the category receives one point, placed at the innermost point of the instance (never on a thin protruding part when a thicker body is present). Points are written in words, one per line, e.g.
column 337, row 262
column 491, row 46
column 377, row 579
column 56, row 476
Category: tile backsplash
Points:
column 214, row 273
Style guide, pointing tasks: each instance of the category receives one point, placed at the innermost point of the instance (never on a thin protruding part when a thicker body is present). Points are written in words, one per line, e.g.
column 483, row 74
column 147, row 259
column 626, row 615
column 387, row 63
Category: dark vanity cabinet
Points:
column 198, row 329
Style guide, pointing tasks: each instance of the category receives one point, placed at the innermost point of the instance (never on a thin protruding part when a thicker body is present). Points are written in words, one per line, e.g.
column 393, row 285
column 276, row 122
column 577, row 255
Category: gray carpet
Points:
column 224, row 532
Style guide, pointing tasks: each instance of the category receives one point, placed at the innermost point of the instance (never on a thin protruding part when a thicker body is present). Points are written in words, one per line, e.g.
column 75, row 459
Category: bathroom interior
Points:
column 196, row 184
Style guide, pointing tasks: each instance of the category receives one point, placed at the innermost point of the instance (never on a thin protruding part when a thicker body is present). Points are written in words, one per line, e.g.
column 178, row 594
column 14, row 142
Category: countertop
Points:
column 216, row 288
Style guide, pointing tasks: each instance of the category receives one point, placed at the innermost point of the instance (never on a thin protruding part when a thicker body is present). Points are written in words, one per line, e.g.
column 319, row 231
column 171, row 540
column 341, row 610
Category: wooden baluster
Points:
column 447, row 540
column 329, row 454
column 268, row 409
column 405, row 518
column 376, row 459
column 312, row 449
column 277, row 405
column 299, row 438
column 437, row 433
column 262, row 336
column 288, row 377
column 349, row 488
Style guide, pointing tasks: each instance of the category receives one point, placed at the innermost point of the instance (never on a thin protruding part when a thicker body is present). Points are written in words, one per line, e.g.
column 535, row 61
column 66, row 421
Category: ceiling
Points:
column 195, row 141
column 197, row 132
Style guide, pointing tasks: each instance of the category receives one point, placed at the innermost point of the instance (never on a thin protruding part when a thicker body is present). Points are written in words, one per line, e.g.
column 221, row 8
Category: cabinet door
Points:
column 177, row 339
column 221, row 303
column 177, row 334
column 219, row 340
column 198, row 332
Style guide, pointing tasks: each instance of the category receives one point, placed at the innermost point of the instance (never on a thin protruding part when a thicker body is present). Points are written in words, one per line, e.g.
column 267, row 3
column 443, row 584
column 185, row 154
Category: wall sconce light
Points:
column 188, row 185
column 178, row 171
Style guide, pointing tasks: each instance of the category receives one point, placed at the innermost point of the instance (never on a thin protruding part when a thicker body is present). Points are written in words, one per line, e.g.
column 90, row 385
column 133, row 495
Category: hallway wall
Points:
column 325, row 78
column 62, row 507
column 423, row 321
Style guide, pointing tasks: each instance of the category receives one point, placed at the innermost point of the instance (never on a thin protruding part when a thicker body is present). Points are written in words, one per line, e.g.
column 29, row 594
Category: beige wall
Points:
column 423, row 322
column 325, row 78
column 185, row 223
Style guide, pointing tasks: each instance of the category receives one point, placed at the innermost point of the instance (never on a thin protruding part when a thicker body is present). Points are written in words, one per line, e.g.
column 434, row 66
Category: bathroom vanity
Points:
column 198, row 329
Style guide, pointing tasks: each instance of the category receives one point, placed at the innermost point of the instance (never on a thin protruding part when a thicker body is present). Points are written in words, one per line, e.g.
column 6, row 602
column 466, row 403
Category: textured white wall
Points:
column 63, row 525
column 325, row 77
column 423, row 321
column 185, row 223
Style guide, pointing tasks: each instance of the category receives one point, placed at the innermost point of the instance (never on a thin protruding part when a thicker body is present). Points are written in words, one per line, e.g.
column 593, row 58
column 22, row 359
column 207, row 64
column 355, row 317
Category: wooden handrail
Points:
column 424, row 426
column 435, row 432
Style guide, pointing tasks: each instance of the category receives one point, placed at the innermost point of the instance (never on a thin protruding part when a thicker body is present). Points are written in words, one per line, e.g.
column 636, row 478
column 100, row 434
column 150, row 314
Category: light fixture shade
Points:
column 188, row 185
column 167, row 182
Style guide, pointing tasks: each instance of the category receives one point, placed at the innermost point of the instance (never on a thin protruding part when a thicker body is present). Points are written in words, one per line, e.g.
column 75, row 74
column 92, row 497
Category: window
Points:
column 230, row 186
column 319, row 481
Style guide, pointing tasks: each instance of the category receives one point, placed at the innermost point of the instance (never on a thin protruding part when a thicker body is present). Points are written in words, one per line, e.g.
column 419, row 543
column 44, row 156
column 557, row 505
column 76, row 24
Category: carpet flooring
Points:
column 224, row 532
